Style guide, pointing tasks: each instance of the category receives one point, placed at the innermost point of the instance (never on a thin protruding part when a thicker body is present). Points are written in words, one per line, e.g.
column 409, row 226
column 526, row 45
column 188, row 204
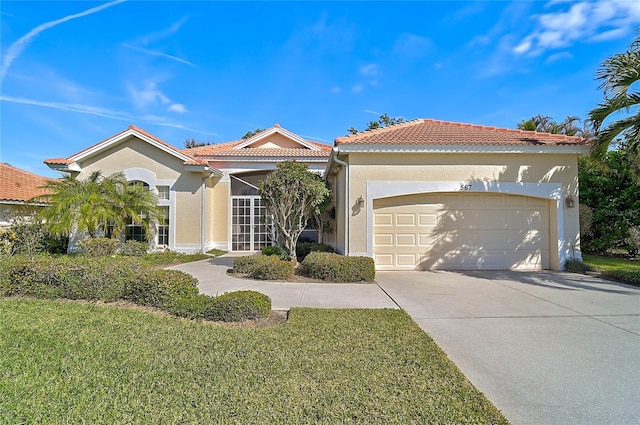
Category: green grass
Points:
column 619, row 269
column 217, row 252
column 170, row 258
column 71, row 362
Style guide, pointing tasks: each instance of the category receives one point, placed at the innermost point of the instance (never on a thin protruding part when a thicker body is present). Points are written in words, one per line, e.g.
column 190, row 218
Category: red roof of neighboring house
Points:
column 435, row 132
column 17, row 185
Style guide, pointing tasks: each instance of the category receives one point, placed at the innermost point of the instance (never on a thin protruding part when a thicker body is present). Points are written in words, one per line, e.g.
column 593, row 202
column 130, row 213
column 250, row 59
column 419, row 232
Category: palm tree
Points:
column 99, row 206
column 618, row 73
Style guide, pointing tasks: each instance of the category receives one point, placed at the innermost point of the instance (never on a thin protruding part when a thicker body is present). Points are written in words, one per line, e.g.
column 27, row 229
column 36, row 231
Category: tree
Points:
column 99, row 206
column 546, row 124
column 384, row 121
column 193, row 143
column 292, row 195
column 610, row 191
column 249, row 134
column 618, row 74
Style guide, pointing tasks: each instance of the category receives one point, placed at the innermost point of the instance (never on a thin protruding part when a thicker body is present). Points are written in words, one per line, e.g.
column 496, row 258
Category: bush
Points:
column 631, row 277
column 263, row 267
column 160, row 288
column 98, row 247
column 70, row 277
column 304, row 248
column 272, row 268
column 238, row 306
column 337, row 268
column 134, row 248
column 275, row 251
column 575, row 266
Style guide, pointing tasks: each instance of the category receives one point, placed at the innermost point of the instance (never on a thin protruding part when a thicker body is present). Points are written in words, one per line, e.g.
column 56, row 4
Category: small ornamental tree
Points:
column 292, row 195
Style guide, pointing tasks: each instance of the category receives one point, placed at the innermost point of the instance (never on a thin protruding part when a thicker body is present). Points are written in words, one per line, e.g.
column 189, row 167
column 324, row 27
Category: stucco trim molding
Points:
column 387, row 189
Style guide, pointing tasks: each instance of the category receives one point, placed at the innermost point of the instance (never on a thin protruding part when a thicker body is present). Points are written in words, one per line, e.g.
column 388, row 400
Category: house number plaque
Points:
column 465, row 186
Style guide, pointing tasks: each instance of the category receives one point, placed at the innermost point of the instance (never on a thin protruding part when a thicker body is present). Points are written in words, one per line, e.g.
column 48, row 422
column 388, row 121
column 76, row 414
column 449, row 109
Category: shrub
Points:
column 245, row 264
column 134, row 248
column 98, row 247
column 169, row 257
column 160, row 288
column 575, row 266
column 304, row 248
column 264, row 267
column 631, row 277
column 238, row 306
column 275, row 251
column 338, row 268
column 272, row 268
column 73, row 277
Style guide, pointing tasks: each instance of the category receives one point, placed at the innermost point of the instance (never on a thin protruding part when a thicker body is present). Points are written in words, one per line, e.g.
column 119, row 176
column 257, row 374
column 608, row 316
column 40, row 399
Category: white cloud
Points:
column 559, row 56
column 162, row 34
column 370, row 69
column 369, row 111
column 157, row 53
column 16, row 48
column 412, row 45
column 148, row 95
column 357, row 88
column 178, row 107
column 336, row 89
column 105, row 113
column 582, row 22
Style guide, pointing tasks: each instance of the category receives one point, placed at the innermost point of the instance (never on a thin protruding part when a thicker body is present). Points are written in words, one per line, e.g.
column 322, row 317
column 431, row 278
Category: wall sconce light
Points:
column 360, row 201
column 570, row 202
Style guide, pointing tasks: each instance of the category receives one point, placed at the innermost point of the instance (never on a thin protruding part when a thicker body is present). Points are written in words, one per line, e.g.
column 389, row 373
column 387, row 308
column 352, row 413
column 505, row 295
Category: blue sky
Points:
column 75, row 72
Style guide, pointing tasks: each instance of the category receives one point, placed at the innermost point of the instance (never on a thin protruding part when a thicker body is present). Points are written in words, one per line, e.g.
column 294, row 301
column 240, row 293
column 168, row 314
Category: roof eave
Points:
column 485, row 148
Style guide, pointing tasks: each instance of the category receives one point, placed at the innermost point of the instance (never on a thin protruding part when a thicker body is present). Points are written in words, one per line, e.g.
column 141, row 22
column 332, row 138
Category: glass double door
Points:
column 251, row 228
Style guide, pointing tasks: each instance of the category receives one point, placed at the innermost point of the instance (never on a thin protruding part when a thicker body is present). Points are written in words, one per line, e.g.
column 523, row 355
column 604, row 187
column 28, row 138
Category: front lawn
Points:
column 619, row 269
column 77, row 362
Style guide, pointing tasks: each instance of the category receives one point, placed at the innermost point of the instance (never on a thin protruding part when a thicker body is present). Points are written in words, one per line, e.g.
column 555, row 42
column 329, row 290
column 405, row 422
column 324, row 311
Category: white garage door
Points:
column 461, row 231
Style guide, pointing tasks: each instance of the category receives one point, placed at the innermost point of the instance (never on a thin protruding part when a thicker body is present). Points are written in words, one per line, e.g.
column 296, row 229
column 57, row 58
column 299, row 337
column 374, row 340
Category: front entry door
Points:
column 251, row 228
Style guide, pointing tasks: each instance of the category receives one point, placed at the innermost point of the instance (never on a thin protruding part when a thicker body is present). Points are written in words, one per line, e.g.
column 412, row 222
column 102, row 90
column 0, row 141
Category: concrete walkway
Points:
column 213, row 278
column 544, row 347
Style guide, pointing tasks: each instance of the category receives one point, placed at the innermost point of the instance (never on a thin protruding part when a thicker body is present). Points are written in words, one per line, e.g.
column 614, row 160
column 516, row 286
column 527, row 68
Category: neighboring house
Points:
column 429, row 194
column 423, row 194
column 17, row 188
column 209, row 193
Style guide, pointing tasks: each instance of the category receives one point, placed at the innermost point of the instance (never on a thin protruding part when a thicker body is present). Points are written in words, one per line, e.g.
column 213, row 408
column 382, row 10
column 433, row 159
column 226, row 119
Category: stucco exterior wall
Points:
column 218, row 214
column 462, row 169
column 141, row 161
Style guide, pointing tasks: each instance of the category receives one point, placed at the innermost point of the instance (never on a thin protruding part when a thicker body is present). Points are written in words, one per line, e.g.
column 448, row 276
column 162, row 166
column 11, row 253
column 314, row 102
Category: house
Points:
column 423, row 194
column 428, row 194
column 17, row 188
column 209, row 193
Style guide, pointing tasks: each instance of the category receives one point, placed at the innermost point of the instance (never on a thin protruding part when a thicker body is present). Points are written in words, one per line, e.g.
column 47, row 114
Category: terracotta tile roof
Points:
column 272, row 153
column 58, row 161
column 435, row 132
column 18, row 185
column 227, row 149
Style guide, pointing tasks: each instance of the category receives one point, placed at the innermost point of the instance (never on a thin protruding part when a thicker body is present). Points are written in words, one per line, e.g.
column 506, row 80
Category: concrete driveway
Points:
column 545, row 347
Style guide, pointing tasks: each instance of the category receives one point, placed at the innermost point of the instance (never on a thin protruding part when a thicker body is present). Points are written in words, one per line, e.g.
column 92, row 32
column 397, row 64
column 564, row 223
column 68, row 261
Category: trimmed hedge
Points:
column 338, row 268
column 122, row 278
column 134, row 248
column 305, row 248
column 264, row 267
column 160, row 288
column 632, row 277
column 71, row 277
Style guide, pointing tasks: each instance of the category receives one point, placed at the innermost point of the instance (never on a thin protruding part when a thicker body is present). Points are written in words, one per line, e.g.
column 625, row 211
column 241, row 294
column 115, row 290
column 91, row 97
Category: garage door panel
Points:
column 461, row 232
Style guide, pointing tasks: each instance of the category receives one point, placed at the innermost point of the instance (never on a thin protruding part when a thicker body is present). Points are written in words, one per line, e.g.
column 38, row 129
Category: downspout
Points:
column 202, row 215
column 345, row 164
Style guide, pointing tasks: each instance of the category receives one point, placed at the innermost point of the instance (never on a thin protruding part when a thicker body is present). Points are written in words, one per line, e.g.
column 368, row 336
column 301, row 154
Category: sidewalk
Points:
column 213, row 278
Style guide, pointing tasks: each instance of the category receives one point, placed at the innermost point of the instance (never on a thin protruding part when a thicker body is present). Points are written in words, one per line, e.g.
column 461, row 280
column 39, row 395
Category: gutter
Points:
column 345, row 164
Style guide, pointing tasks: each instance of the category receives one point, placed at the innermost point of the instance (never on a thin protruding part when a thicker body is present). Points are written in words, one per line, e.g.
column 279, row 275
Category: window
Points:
column 163, row 227
column 163, row 192
column 134, row 230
